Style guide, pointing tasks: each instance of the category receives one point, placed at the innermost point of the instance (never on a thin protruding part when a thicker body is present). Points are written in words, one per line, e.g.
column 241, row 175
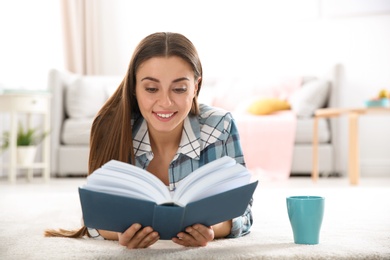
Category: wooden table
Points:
column 353, row 134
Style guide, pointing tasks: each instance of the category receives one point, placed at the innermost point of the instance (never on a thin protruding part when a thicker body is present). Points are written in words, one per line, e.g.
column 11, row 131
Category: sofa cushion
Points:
column 85, row 95
column 310, row 97
column 76, row 131
column 304, row 131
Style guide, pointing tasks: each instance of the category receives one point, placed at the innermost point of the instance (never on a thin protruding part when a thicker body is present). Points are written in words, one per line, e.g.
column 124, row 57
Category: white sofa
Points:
column 75, row 101
column 77, row 98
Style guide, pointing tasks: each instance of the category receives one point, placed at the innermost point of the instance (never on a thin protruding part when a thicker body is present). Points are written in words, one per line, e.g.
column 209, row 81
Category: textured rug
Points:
column 356, row 224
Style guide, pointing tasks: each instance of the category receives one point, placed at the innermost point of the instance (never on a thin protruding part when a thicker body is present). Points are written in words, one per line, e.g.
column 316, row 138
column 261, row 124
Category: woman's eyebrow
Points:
column 150, row 78
column 174, row 81
column 180, row 79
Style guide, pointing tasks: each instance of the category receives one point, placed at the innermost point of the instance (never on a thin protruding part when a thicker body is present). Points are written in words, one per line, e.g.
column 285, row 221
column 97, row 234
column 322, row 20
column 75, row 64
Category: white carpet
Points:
column 356, row 224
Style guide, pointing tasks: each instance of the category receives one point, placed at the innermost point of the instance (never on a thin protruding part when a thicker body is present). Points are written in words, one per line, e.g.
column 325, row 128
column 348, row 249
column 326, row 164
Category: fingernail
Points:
column 137, row 226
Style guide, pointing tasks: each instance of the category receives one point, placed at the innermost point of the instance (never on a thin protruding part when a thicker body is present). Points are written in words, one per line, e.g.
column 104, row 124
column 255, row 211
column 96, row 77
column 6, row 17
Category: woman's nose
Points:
column 165, row 99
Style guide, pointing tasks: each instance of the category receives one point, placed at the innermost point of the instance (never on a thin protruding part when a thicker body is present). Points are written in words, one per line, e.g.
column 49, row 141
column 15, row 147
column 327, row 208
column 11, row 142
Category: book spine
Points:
column 168, row 220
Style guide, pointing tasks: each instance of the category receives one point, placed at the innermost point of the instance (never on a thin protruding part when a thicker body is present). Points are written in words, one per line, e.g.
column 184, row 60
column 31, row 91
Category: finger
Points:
column 184, row 239
column 149, row 240
column 199, row 234
column 137, row 240
column 126, row 236
column 204, row 231
column 190, row 238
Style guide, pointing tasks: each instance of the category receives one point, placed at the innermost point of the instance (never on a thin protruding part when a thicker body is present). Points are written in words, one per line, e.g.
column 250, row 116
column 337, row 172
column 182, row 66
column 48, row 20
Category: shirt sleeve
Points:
column 94, row 233
column 242, row 224
column 233, row 144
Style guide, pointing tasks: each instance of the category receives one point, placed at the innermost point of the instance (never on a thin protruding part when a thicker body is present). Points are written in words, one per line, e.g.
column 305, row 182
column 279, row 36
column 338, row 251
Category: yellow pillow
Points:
column 267, row 106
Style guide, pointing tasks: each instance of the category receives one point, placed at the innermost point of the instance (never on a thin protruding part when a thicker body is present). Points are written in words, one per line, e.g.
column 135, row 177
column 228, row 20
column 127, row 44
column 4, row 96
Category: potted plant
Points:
column 26, row 142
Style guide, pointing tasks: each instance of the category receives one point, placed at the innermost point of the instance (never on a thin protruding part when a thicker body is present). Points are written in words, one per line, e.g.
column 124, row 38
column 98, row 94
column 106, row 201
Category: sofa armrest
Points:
column 56, row 85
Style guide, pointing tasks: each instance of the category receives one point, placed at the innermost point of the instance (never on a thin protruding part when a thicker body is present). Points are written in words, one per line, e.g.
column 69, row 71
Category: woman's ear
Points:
column 198, row 81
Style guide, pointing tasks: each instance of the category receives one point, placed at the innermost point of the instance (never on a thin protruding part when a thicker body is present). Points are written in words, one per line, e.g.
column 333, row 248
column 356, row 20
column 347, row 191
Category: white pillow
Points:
column 86, row 95
column 310, row 97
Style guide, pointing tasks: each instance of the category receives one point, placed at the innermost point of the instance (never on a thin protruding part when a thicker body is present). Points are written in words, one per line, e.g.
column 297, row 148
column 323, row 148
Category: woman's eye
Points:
column 180, row 90
column 151, row 90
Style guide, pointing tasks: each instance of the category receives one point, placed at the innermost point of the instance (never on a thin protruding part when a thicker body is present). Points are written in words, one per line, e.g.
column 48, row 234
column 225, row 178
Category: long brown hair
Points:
column 111, row 133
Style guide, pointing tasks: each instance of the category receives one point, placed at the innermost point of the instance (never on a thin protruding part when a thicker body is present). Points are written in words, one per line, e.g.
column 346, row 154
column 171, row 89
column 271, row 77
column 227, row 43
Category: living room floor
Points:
column 356, row 223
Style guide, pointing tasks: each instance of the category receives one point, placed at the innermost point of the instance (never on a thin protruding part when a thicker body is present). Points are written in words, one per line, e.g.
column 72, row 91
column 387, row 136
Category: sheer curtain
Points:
column 81, row 36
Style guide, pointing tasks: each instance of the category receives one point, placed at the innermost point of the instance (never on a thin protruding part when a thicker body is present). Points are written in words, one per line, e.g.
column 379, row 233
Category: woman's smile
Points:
column 164, row 116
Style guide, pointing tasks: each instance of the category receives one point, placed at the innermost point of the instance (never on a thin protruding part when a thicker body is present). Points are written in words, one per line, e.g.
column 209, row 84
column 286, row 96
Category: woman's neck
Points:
column 164, row 147
column 163, row 142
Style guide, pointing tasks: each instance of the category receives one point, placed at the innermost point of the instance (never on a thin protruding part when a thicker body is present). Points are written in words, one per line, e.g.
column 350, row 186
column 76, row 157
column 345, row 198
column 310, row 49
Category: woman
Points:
column 154, row 121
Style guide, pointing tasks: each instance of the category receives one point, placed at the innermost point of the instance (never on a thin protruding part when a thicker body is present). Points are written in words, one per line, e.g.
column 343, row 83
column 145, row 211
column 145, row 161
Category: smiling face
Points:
column 165, row 89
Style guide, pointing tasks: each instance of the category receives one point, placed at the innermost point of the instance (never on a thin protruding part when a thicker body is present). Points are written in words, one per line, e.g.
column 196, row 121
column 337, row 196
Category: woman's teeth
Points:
column 165, row 115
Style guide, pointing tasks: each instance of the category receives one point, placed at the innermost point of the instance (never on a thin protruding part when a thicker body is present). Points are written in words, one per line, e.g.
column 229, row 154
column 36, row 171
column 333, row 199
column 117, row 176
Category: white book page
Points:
column 203, row 172
column 142, row 174
column 102, row 178
column 135, row 171
column 215, row 189
column 215, row 182
column 126, row 176
column 120, row 191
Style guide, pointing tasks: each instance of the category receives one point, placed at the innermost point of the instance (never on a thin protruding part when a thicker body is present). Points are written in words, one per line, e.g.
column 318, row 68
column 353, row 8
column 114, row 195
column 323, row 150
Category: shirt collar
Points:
column 189, row 144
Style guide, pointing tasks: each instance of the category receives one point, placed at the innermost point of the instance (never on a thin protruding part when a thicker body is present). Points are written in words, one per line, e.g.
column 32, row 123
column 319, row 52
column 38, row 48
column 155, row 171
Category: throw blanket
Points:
column 268, row 141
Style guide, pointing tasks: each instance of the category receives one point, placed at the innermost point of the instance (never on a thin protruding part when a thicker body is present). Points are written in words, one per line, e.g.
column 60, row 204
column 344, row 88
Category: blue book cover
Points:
column 117, row 212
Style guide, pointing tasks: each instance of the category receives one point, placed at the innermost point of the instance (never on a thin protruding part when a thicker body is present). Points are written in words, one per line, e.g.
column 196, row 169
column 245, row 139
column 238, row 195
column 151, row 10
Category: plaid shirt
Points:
column 209, row 136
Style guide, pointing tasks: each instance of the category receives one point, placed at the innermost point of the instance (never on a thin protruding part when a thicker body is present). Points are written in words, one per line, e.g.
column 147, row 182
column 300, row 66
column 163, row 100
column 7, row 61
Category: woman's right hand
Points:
column 137, row 237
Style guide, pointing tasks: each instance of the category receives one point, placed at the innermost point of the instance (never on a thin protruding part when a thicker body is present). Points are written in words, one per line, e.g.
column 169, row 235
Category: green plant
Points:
column 25, row 137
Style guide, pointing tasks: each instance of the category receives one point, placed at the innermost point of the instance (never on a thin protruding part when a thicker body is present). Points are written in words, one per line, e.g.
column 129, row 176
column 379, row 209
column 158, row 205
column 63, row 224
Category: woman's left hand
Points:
column 196, row 235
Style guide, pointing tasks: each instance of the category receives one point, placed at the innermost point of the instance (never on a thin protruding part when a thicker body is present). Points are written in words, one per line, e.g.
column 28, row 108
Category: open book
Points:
column 119, row 194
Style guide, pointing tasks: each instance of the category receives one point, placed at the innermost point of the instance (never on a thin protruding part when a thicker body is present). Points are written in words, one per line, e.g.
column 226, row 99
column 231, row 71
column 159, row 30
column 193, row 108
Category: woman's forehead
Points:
column 158, row 67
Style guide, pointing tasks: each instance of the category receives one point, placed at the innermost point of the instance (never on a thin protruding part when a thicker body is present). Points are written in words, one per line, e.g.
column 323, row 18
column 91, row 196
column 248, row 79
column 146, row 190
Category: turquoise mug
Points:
column 306, row 214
